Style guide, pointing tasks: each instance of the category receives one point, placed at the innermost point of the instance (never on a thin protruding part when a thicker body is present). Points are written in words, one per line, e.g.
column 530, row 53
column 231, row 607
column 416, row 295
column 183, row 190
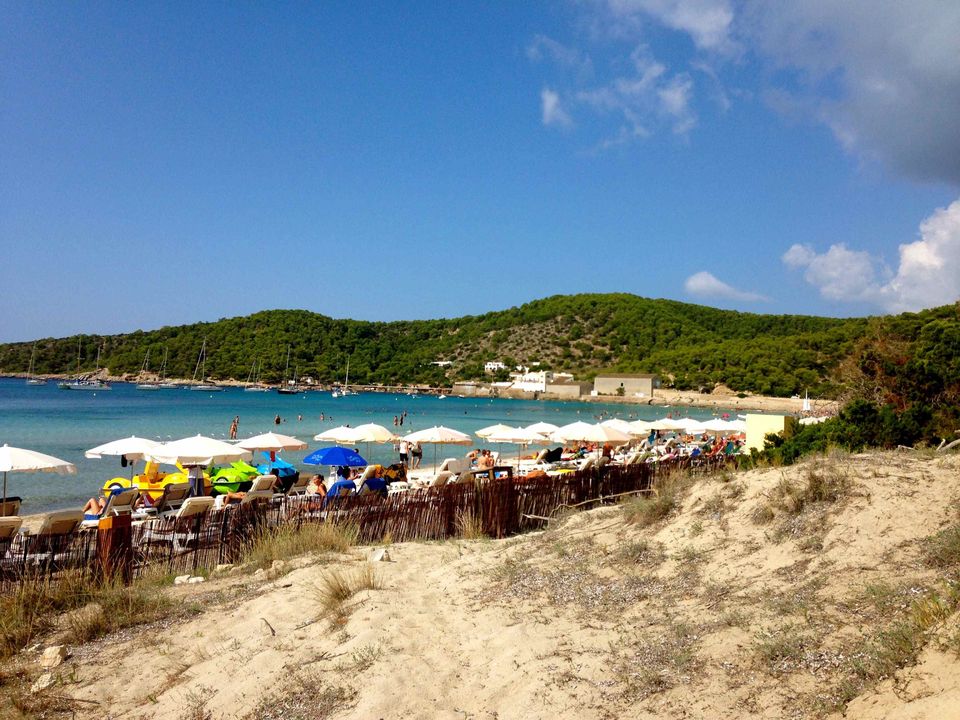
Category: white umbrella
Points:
column 19, row 460
column 342, row 435
column 366, row 433
column 272, row 442
column 198, row 450
column 691, row 426
column 544, row 428
column 640, row 427
column 371, row 432
column 618, row 424
column 718, row 425
column 132, row 448
column 519, row 437
column 439, row 435
column 666, row 424
column 585, row 432
column 486, row 432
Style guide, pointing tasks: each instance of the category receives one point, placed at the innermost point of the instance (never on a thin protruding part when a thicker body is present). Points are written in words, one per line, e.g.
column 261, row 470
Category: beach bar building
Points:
column 627, row 385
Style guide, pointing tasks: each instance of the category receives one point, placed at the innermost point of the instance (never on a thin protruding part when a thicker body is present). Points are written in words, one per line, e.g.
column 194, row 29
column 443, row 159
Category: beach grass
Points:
column 284, row 542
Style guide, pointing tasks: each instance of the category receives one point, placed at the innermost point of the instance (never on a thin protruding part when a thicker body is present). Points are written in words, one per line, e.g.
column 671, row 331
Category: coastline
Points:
column 664, row 397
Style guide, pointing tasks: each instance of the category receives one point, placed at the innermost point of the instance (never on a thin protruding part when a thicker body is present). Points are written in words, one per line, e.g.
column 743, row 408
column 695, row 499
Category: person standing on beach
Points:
column 233, row 427
column 404, row 449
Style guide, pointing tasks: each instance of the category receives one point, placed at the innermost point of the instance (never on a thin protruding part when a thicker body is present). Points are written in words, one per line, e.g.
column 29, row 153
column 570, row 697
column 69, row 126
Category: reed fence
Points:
column 498, row 508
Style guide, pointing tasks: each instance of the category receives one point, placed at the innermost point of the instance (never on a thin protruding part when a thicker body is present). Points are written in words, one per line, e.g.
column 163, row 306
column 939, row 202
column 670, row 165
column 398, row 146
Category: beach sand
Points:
column 715, row 611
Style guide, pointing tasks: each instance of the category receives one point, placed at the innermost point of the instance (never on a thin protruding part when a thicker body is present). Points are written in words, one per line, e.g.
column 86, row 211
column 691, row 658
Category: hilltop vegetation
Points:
column 690, row 346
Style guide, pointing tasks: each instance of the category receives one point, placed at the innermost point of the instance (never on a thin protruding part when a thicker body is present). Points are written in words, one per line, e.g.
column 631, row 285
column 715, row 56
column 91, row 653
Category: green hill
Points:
column 690, row 346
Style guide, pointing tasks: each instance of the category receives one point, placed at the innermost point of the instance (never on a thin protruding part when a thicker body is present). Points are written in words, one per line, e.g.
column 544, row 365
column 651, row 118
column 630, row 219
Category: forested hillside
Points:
column 690, row 346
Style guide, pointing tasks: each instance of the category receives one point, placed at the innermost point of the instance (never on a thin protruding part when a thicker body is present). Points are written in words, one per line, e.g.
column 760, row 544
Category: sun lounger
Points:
column 53, row 538
column 181, row 529
column 174, row 495
column 260, row 490
column 8, row 531
column 453, row 465
column 10, row 507
column 119, row 502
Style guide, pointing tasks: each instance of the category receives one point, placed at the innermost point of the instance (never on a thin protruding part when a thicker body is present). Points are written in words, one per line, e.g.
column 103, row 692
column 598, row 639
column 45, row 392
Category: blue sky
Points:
column 163, row 164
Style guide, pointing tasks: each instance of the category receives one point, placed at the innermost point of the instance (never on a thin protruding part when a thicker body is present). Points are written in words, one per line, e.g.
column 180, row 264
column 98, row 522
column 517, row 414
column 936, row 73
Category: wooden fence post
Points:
column 115, row 548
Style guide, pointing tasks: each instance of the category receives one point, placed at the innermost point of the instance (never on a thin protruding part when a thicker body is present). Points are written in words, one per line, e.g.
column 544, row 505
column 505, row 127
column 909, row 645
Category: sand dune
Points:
column 734, row 605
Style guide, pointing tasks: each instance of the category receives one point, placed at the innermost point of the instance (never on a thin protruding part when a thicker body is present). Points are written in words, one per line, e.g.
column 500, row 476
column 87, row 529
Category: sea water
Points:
column 66, row 423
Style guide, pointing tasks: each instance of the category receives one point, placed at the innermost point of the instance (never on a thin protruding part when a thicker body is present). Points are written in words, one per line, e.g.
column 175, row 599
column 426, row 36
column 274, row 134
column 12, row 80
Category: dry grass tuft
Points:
column 469, row 526
column 290, row 540
column 303, row 697
column 90, row 608
column 644, row 510
column 336, row 587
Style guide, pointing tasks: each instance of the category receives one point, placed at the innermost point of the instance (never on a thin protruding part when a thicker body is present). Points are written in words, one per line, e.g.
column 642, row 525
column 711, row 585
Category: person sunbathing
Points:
column 94, row 508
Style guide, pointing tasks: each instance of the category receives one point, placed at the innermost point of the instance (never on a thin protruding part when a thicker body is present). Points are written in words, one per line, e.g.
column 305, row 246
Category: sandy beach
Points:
column 734, row 605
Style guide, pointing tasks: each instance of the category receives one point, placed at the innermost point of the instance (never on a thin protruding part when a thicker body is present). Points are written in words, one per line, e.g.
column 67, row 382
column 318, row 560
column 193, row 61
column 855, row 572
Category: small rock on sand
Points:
column 42, row 683
column 53, row 656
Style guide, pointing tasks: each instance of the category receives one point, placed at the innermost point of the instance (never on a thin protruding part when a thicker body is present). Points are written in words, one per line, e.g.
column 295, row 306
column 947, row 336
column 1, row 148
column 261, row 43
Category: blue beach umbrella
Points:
column 335, row 456
column 283, row 468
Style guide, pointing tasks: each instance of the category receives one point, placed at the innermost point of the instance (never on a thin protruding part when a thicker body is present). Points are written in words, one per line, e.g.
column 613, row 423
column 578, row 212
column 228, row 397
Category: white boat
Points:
column 345, row 388
column 31, row 378
column 144, row 369
column 81, row 384
column 289, row 387
column 253, row 380
column 163, row 384
column 201, row 367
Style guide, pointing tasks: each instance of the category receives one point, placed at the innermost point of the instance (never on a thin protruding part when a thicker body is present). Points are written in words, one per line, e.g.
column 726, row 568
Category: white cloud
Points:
column 706, row 21
column 545, row 48
column 884, row 75
column 552, row 110
column 649, row 95
column 706, row 285
column 928, row 274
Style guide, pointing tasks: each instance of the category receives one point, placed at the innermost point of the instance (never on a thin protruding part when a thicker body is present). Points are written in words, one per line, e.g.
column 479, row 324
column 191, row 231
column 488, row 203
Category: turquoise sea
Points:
column 66, row 423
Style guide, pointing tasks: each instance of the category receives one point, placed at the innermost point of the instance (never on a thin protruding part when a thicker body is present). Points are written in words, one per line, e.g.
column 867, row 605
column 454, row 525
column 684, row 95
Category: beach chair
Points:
column 9, row 526
column 299, row 487
column 453, row 465
column 10, row 507
column 261, row 489
column 119, row 502
column 181, row 530
column 587, row 464
column 174, row 495
column 52, row 539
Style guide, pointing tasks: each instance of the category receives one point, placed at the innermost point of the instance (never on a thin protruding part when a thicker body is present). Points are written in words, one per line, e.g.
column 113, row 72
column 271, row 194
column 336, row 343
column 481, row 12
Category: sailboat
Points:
column 202, row 368
column 253, row 380
column 31, row 378
column 144, row 369
column 345, row 388
column 163, row 384
column 79, row 383
column 289, row 387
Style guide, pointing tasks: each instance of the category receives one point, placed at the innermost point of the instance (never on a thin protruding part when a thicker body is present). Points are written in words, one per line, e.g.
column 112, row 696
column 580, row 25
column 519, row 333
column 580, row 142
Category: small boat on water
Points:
column 31, row 377
column 202, row 386
column 80, row 383
column 144, row 369
column 289, row 387
column 345, row 388
column 253, row 380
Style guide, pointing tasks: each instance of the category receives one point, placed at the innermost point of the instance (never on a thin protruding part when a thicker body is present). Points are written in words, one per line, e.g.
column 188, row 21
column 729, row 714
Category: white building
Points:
column 492, row 367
